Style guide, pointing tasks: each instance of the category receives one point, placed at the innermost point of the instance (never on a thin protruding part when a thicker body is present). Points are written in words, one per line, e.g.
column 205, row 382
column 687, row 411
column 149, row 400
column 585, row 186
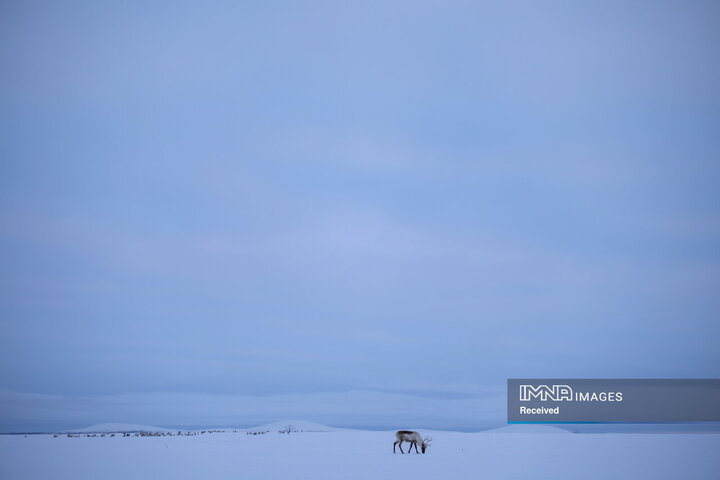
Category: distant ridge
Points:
column 118, row 428
column 297, row 425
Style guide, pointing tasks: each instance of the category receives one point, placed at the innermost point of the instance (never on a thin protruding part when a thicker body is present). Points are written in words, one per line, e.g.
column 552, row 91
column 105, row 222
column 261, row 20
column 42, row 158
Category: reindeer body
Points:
column 411, row 437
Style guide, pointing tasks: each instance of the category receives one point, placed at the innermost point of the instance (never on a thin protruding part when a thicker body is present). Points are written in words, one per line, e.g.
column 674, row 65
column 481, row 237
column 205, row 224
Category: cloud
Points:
column 414, row 200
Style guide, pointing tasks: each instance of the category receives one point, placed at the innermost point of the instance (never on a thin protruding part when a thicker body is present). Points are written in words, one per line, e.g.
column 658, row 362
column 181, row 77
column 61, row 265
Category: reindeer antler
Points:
column 427, row 440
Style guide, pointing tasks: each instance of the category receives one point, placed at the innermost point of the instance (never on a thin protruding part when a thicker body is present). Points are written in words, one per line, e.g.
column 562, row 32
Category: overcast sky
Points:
column 359, row 213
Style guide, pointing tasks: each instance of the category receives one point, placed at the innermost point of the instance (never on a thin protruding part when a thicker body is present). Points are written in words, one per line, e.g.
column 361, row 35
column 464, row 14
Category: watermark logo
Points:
column 561, row 400
column 554, row 393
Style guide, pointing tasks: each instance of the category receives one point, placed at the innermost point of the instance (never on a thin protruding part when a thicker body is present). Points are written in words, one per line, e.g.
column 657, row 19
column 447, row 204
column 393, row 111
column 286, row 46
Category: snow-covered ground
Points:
column 355, row 454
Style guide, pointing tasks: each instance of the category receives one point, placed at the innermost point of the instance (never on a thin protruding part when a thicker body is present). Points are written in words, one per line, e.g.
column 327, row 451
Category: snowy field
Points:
column 506, row 453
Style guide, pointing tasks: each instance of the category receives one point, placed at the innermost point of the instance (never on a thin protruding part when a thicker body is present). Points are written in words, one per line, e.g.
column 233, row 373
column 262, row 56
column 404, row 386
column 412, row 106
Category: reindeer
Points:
column 414, row 438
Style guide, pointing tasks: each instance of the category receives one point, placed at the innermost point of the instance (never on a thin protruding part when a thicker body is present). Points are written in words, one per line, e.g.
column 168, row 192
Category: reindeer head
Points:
column 426, row 443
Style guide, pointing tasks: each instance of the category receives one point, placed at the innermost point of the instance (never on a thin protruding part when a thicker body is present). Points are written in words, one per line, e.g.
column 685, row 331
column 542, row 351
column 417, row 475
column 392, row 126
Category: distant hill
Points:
column 119, row 428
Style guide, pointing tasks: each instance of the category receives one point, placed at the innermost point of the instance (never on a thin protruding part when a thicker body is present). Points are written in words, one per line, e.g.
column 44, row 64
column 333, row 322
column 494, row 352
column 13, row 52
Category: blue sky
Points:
column 366, row 213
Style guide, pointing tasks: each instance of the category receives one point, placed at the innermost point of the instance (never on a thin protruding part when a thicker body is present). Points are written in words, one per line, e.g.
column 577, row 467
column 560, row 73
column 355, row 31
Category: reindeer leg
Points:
column 394, row 443
column 415, row 444
column 400, row 445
